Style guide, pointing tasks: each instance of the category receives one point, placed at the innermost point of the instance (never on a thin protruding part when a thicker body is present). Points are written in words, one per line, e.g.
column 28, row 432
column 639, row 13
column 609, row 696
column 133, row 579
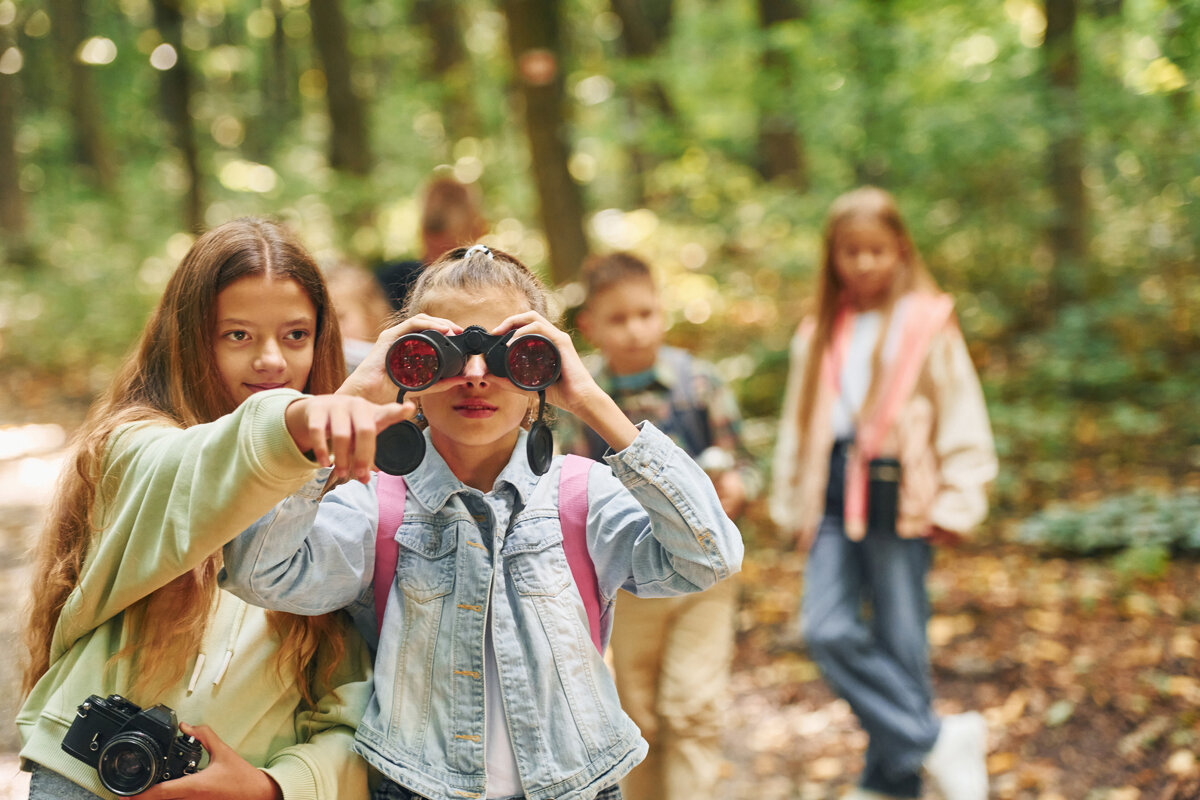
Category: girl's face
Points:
column 264, row 335
column 482, row 415
column 868, row 256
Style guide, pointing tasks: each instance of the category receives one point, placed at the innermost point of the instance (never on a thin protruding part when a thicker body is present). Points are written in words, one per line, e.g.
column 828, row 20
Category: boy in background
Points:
column 671, row 656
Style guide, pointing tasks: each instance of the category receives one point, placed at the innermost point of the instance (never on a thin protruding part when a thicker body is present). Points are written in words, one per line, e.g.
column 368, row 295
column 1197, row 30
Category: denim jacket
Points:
column 655, row 528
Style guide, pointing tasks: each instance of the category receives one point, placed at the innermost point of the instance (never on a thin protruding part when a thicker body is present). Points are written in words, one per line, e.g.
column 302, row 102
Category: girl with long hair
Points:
column 884, row 448
column 203, row 430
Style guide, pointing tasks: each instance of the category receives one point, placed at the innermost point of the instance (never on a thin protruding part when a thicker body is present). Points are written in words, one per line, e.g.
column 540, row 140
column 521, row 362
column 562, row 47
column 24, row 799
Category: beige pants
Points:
column 672, row 657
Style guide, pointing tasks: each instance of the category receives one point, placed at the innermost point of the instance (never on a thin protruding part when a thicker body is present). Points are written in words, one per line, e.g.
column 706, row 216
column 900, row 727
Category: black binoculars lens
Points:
column 413, row 363
column 533, row 362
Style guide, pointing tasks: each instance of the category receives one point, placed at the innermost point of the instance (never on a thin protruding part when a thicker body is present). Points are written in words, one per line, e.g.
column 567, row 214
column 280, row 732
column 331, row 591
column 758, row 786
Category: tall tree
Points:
column 1181, row 31
column 349, row 138
column 535, row 42
column 12, row 202
column 175, row 97
column 277, row 81
column 448, row 66
column 1068, row 229
column 645, row 26
column 92, row 147
column 780, row 145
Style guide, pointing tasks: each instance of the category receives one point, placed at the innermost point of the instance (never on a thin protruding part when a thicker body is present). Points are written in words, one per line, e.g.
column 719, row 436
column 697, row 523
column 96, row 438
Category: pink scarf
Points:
column 922, row 316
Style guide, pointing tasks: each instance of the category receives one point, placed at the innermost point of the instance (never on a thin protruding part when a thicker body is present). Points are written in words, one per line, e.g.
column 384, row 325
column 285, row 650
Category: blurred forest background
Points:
column 1046, row 155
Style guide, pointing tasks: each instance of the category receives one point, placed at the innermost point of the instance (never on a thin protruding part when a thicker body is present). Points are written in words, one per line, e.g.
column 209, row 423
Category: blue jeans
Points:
column 878, row 661
column 46, row 784
column 390, row 790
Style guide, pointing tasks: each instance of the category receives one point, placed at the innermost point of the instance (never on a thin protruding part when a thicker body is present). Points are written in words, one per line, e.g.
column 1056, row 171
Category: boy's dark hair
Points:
column 604, row 272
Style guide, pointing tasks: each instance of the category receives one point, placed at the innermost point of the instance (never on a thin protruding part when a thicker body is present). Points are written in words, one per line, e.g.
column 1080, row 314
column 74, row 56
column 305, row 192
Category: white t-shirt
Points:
column 503, row 780
column 855, row 378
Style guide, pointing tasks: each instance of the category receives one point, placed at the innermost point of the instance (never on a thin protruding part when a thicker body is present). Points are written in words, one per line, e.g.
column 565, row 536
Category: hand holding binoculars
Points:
column 417, row 361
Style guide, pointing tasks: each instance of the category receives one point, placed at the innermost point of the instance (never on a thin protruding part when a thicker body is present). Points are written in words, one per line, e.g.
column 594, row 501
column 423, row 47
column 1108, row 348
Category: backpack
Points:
column 687, row 423
column 572, row 515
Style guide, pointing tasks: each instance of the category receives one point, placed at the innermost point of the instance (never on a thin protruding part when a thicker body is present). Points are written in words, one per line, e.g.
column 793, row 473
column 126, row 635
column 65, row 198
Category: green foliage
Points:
column 941, row 104
column 1145, row 525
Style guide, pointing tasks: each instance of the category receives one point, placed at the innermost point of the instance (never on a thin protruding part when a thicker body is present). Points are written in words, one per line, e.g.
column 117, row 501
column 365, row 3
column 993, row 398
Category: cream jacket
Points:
column 941, row 436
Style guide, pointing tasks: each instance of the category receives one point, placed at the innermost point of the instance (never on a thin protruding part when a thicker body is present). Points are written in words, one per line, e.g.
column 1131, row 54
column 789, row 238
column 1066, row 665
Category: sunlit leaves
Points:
column 11, row 61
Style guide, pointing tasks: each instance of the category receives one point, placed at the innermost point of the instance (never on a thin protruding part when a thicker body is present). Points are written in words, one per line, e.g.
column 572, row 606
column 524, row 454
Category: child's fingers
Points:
column 341, row 431
column 528, row 322
column 207, row 737
column 316, row 423
column 415, row 323
column 389, row 414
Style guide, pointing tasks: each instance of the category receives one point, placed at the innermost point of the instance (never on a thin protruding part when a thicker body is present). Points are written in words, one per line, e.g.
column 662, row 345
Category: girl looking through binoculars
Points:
column 488, row 679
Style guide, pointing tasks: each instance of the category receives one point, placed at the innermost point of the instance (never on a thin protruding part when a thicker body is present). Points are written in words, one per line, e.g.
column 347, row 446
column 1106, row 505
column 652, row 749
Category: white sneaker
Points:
column 958, row 760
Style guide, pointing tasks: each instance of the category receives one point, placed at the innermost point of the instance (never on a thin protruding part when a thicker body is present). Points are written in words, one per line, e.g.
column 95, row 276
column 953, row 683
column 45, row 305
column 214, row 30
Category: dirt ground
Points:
column 1087, row 679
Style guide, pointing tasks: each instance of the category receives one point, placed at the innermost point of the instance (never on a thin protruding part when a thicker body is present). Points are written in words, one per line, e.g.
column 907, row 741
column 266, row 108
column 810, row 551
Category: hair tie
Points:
column 479, row 248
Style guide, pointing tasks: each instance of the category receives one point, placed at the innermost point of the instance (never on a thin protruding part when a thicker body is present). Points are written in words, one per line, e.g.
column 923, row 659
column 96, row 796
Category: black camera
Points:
column 132, row 749
column 417, row 361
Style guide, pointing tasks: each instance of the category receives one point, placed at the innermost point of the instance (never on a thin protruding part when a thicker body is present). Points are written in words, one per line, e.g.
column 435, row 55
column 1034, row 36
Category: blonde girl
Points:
column 487, row 684
column 202, row 431
column 884, row 447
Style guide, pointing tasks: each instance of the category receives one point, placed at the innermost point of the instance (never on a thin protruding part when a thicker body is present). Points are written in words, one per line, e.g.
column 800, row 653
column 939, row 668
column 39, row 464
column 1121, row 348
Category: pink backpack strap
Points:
column 391, row 492
column 925, row 316
column 572, row 516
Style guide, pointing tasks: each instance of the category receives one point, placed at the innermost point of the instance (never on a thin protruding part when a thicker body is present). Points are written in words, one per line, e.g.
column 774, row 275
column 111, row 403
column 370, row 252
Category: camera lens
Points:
column 129, row 763
column 533, row 362
column 413, row 363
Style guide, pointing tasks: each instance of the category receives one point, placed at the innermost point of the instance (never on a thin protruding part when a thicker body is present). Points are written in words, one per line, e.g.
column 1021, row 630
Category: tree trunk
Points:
column 349, row 139
column 278, row 112
column 175, row 86
column 533, row 35
column 448, row 67
column 1068, row 230
column 92, row 148
column 780, row 145
column 12, row 202
column 645, row 25
column 1181, row 31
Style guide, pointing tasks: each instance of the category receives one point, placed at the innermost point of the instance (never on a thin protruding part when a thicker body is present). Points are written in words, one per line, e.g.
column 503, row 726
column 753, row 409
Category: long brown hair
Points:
column 868, row 202
column 172, row 378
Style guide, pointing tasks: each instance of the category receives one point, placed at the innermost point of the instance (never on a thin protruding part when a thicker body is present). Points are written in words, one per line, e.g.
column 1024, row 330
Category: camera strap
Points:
column 392, row 492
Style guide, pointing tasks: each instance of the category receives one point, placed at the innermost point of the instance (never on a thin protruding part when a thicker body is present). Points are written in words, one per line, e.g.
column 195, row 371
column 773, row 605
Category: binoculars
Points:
column 417, row 361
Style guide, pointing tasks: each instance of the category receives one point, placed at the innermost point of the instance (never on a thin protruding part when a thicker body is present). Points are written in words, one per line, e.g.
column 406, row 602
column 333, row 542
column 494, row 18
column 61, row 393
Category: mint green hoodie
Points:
column 169, row 499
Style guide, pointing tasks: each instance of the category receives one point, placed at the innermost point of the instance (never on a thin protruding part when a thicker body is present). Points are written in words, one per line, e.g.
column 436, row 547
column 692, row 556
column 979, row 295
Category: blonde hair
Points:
column 172, row 378
column 865, row 202
column 477, row 269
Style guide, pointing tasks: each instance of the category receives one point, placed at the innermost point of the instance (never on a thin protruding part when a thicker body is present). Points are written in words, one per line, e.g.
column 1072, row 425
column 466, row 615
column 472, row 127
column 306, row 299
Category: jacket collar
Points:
column 433, row 484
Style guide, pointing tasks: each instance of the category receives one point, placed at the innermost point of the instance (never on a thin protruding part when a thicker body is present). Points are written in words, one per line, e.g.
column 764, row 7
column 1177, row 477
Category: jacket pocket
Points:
column 426, row 560
column 537, row 565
